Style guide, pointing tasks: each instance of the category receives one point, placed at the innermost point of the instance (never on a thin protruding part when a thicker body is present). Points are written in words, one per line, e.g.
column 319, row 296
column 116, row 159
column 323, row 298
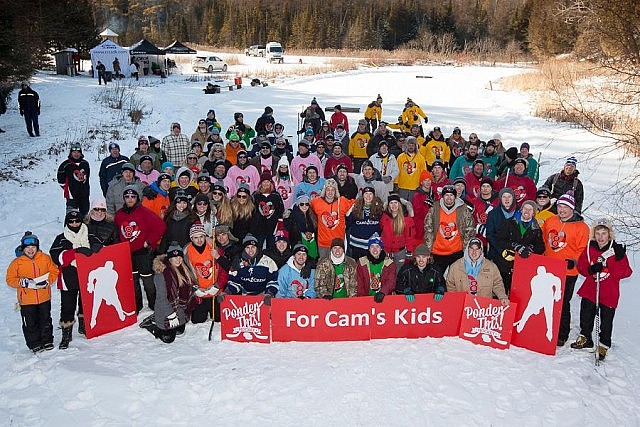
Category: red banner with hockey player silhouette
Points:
column 538, row 289
column 106, row 289
column 487, row 322
column 245, row 319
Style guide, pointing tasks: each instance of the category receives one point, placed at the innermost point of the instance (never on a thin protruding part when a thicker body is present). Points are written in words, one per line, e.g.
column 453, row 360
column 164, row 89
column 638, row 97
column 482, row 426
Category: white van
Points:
column 275, row 52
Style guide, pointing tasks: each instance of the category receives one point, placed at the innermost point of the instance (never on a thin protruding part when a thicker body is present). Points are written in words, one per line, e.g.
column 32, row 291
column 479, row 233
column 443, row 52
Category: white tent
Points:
column 106, row 52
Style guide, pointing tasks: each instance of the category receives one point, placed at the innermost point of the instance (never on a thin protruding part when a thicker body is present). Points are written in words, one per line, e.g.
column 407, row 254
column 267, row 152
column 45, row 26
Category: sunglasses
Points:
column 242, row 157
column 192, row 158
column 217, row 193
column 303, row 204
column 242, row 196
column 543, row 197
column 202, row 203
column 99, row 209
column 143, row 143
column 74, row 221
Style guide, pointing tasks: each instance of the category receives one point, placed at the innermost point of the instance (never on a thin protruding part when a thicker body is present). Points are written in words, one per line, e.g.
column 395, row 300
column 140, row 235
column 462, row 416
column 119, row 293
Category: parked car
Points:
column 255, row 50
column 208, row 63
column 275, row 52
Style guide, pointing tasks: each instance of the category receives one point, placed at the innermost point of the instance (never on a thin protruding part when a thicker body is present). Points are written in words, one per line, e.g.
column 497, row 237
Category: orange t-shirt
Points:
column 565, row 240
column 203, row 265
column 448, row 239
column 331, row 219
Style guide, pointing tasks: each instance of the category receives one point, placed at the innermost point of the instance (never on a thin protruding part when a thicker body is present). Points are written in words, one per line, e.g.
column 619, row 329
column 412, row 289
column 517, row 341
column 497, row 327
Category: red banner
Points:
column 422, row 318
column 537, row 289
column 360, row 319
column 106, row 289
column 245, row 319
column 487, row 322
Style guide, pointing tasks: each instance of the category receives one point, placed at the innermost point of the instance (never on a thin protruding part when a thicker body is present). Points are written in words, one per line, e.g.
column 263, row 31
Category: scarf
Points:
column 79, row 239
column 335, row 260
column 178, row 216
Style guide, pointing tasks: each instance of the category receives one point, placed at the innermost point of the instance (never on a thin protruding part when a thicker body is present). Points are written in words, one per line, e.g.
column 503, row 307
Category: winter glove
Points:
column 508, row 255
column 84, row 251
column 149, row 193
column 27, row 283
column 173, row 320
column 595, row 268
column 267, row 299
column 386, row 179
column 212, row 290
column 523, row 251
column 286, row 213
column 571, row 263
column 95, row 247
column 378, row 297
column 199, row 292
column 410, row 297
column 438, row 297
column 328, row 297
column 620, row 250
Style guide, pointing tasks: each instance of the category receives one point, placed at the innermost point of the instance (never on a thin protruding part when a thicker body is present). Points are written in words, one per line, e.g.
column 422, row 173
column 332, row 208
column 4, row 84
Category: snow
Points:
column 129, row 378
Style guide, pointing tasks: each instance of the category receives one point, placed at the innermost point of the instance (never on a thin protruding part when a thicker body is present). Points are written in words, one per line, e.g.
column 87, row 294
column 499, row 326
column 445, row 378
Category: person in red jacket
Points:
column 518, row 180
column 339, row 117
column 375, row 272
column 398, row 231
column 143, row 229
column 603, row 263
column 566, row 236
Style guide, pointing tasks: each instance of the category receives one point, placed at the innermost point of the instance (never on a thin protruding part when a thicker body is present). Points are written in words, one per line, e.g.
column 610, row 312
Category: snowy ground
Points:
column 128, row 378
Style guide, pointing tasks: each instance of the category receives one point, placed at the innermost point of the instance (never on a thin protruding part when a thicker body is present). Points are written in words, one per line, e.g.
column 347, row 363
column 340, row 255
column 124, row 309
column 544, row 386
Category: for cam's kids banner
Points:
column 487, row 322
column 537, row 288
column 106, row 289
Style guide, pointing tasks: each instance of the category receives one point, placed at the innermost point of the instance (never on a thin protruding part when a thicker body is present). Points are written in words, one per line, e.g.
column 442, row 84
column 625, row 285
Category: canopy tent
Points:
column 146, row 54
column 109, row 34
column 178, row 48
column 106, row 52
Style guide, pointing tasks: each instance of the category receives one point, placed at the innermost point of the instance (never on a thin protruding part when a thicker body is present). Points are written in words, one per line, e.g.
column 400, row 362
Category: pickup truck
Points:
column 255, row 50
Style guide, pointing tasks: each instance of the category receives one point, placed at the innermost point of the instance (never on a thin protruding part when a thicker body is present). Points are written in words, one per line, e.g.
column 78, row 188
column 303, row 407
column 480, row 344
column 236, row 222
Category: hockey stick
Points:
column 597, row 320
column 215, row 278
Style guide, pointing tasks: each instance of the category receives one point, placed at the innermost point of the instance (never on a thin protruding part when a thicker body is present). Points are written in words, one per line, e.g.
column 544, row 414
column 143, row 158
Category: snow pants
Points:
column 587, row 317
column 37, row 326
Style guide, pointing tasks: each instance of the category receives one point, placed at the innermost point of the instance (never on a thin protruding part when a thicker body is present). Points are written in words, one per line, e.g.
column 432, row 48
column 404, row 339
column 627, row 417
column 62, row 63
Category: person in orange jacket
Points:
column 332, row 210
column 566, row 236
column 32, row 272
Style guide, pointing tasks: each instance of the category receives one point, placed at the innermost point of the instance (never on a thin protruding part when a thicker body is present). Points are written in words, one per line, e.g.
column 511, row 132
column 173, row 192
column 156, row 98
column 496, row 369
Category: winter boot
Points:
column 582, row 342
column 81, row 328
column 38, row 349
column 48, row 346
column 602, row 351
column 67, row 331
column 148, row 322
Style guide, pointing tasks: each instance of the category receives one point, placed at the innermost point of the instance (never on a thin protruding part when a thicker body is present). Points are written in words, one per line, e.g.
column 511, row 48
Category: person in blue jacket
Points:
column 297, row 276
column 252, row 272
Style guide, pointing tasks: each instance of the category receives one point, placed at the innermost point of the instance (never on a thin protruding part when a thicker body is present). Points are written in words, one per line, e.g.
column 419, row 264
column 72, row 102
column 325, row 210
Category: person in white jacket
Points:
column 385, row 163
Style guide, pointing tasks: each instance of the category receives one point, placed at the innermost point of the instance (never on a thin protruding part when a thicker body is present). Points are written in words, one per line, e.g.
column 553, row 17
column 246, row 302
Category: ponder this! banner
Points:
column 537, row 288
column 106, row 289
column 245, row 319
column 487, row 322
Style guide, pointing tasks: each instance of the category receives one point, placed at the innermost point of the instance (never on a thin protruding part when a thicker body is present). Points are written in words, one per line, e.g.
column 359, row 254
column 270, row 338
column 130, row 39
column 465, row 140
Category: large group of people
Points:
column 391, row 208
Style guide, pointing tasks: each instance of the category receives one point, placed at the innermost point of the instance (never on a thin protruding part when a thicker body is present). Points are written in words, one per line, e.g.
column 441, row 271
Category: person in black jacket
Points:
column 267, row 117
column 520, row 234
column 102, row 230
column 111, row 166
column 73, row 177
column 420, row 277
column 179, row 218
column 29, row 103
column 268, row 208
column 74, row 239
column 281, row 250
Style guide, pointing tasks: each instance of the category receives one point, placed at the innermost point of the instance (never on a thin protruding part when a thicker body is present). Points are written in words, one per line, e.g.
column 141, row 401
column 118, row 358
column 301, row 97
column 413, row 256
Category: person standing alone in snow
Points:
column 29, row 103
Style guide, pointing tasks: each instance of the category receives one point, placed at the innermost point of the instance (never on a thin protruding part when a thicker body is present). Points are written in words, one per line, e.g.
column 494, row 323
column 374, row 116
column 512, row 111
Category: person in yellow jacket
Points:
column 545, row 203
column 566, row 236
column 399, row 126
column 373, row 114
column 412, row 113
column 435, row 147
column 358, row 145
column 411, row 164
column 32, row 272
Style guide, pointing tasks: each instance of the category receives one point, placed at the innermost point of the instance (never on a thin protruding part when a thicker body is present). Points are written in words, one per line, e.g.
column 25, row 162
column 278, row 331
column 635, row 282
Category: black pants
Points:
column 442, row 262
column 588, row 315
column 69, row 300
column 202, row 311
column 31, row 120
column 141, row 265
column 565, row 319
column 36, row 324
